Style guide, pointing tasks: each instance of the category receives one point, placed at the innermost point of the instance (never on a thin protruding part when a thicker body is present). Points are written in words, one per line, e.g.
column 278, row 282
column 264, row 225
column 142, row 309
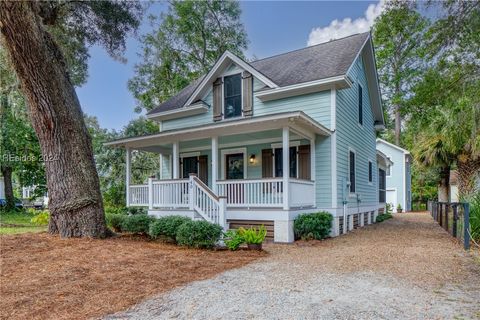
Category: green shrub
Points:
column 137, row 223
column 116, row 210
column 313, row 225
column 475, row 216
column 253, row 235
column 383, row 217
column 198, row 234
column 115, row 220
column 136, row 210
column 233, row 239
column 40, row 218
column 167, row 226
column 388, row 208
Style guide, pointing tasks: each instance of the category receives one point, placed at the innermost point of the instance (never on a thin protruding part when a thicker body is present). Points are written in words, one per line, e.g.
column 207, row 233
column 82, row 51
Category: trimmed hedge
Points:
column 198, row 234
column 383, row 217
column 313, row 225
column 167, row 226
column 136, row 224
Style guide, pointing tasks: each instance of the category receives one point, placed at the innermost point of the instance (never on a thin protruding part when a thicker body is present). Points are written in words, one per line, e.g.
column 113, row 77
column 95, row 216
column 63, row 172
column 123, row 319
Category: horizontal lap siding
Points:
column 323, row 172
column 315, row 105
column 361, row 139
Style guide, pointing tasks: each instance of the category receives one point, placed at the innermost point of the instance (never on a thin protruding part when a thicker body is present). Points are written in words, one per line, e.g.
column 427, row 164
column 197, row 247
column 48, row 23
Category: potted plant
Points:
column 253, row 237
column 399, row 208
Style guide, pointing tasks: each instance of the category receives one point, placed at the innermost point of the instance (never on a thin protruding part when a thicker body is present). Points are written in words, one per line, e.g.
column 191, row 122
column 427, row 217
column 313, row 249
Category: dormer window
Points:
column 232, row 94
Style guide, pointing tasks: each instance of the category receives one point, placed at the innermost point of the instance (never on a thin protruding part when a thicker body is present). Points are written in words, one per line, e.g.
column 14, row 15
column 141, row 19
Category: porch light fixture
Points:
column 252, row 159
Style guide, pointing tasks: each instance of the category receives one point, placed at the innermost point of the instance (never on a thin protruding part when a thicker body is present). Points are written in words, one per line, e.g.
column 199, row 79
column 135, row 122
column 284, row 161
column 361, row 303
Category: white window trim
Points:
column 225, row 152
column 241, row 95
column 368, row 172
column 363, row 115
column 355, row 171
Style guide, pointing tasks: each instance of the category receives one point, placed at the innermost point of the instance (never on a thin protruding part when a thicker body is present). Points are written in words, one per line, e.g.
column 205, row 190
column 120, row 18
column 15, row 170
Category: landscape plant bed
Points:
column 43, row 276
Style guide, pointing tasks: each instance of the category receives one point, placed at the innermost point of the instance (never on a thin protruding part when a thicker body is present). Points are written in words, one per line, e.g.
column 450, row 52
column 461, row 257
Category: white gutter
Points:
column 303, row 88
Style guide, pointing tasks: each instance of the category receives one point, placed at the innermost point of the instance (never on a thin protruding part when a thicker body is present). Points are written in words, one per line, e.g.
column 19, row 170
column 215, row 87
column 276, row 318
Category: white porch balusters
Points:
column 214, row 164
column 191, row 195
column 176, row 160
column 286, row 166
column 127, row 175
column 150, row 193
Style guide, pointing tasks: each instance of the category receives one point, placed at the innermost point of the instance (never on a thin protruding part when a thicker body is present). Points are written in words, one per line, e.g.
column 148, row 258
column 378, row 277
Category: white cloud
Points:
column 339, row 29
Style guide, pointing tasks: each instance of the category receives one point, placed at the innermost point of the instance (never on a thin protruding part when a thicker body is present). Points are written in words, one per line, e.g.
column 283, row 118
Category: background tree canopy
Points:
column 436, row 89
column 185, row 44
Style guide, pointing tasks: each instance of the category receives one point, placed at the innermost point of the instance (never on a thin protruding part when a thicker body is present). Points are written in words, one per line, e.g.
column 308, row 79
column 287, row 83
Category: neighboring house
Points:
column 384, row 163
column 2, row 188
column 268, row 140
column 453, row 186
column 399, row 176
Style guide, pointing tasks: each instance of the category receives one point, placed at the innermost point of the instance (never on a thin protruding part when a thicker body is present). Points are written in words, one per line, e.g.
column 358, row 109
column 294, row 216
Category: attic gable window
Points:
column 232, row 96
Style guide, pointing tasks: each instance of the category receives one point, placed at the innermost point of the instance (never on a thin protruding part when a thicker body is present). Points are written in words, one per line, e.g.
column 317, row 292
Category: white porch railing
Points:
column 138, row 195
column 206, row 203
column 193, row 194
column 301, row 193
column 170, row 193
column 252, row 193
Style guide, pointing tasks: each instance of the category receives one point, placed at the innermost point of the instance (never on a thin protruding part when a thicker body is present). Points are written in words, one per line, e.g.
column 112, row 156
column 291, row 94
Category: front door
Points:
column 235, row 166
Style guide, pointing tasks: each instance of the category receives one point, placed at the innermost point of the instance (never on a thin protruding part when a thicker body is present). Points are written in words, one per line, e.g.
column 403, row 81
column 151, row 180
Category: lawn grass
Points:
column 15, row 222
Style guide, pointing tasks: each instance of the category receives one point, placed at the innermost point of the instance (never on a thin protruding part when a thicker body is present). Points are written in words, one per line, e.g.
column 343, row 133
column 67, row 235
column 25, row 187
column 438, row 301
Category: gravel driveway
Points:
column 404, row 268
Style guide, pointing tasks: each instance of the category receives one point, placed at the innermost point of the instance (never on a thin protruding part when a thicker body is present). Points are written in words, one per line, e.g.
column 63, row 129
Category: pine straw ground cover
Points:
column 42, row 276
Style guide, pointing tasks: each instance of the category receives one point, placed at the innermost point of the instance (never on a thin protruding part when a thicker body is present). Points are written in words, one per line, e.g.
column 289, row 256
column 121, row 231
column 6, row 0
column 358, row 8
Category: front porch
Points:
column 232, row 171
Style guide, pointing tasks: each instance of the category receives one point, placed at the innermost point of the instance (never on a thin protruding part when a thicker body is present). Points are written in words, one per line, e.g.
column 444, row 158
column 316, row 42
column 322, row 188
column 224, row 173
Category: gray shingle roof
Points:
column 316, row 62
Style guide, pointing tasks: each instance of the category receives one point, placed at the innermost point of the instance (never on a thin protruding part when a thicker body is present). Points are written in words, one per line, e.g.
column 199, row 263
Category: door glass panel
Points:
column 234, row 166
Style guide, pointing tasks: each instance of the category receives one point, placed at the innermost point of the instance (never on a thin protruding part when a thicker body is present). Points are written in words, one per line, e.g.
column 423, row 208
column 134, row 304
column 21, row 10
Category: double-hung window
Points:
column 370, row 171
column 232, row 95
column 352, row 172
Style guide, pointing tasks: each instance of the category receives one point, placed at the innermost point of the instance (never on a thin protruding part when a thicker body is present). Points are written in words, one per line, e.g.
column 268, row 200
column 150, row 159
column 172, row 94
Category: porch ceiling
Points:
column 298, row 122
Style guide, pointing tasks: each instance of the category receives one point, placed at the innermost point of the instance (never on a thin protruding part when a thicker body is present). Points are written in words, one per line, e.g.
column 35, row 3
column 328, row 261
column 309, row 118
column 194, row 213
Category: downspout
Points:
column 345, row 185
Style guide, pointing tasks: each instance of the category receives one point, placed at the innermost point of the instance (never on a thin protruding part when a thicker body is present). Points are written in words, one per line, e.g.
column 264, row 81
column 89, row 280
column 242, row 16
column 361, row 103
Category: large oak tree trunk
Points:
column 76, row 204
column 7, row 181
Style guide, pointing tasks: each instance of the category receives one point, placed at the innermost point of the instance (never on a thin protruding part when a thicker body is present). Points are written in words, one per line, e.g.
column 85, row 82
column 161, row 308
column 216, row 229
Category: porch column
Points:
column 127, row 175
column 176, row 160
column 286, row 167
column 214, row 164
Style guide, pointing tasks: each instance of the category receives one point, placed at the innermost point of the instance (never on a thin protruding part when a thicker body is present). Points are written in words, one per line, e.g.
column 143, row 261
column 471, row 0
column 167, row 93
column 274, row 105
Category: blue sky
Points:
column 272, row 28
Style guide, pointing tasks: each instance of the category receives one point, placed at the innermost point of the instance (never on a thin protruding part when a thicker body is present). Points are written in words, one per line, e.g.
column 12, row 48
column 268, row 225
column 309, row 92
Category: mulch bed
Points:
column 44, row 277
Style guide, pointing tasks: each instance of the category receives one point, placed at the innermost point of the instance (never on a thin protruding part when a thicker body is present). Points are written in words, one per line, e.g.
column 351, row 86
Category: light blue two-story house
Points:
column 398, row 176
column 262, row 142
